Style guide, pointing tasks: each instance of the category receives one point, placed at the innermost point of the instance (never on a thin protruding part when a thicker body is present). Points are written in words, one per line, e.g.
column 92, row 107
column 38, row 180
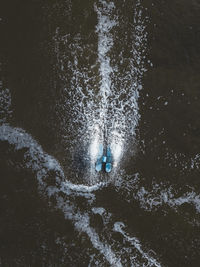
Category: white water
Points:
column 119, row 112
column 135, row 243
column 99, row 104
column 105, row 43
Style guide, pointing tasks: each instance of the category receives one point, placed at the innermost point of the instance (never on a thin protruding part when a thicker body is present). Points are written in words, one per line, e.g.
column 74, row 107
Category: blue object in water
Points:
column 104, row 162
column 104, row 158
column 108, row 167
column 109, row 155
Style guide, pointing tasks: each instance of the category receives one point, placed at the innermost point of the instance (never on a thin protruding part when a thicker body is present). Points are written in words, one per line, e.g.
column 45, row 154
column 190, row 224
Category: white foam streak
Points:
column 105, row 43
column 161, row 195
column 94, row 146
column 116, row 147
column 82, row 224
column 118, row 227
column 81, row 187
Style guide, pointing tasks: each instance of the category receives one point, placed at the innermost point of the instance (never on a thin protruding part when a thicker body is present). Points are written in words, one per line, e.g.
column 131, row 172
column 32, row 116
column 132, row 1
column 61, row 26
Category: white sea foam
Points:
column 152, row 200
column 116, row 147
column 105, row 43
column 83, row 225
column 158, row 195
column 105, row 10
column 41, row 163
column 99, row 104
column 119, row 227
column 64, row 192
column 119, row 112
column 96, row 140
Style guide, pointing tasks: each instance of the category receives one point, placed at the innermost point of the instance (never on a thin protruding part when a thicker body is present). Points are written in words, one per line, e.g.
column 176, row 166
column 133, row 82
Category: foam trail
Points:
column 43, row 165
column 118, row 227
column 119, row 88
column 99, row 104
column 105, row 43
column 116, row 147
column 94, row 146
column 158, row 197
column 127, row 82
column 82, row 224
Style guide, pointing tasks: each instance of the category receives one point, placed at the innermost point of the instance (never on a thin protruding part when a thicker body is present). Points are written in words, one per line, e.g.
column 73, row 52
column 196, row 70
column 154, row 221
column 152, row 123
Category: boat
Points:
column 104, row 159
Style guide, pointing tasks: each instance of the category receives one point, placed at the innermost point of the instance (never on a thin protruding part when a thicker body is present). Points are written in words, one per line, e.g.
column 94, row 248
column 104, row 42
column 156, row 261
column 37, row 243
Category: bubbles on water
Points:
column 116, row 147
column 96, row 140
column 162, row 197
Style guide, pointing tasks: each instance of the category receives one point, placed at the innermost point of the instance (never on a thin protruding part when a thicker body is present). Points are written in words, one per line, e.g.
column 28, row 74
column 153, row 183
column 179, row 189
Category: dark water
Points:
column 72, row 71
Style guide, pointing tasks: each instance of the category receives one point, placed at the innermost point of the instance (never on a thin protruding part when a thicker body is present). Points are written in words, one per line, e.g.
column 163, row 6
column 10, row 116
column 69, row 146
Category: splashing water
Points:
column 105, row 43
column 101, row 98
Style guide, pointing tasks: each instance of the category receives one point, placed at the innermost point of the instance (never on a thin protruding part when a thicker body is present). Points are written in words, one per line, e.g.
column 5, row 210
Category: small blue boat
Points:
column 104, row 160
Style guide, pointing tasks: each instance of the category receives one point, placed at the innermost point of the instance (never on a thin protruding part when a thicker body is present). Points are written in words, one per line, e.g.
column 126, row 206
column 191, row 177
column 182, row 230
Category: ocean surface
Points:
column 76, row 74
